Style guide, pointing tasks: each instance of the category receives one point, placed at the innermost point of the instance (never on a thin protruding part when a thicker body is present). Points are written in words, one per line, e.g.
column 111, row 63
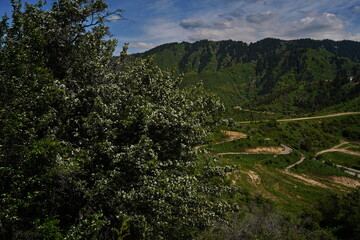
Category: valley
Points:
column 275, row 171
column 290, row 132
column 270, row 78
column 291, row 107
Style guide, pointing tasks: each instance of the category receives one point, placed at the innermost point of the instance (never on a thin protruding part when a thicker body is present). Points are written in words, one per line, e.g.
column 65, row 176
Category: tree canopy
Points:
column 92, row 148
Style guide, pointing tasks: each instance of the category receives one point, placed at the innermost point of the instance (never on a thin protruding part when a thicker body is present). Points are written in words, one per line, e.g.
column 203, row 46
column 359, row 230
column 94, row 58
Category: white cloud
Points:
column 114, row 18
column 160, row 5
column 164, row 30
column 142, row 45
column 248, row 20
column 234, row 14
column 192, row 23
column 262, row 18
column 318, row 26
column 253, row 27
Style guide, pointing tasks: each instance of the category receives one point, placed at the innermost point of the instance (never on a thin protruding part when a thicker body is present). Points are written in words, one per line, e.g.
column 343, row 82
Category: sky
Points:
column 150, row 23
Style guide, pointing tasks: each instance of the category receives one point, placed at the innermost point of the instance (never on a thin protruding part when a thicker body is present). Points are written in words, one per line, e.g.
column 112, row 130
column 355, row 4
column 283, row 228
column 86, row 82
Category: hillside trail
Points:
column 315, row 117
column 234, row 135
column 305, row 179
column 337, row 148
column 295, row 164
column 284, row 150
column 231, row 136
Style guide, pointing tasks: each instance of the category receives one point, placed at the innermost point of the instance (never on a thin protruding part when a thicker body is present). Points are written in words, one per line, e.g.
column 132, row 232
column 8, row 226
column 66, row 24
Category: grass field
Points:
column 354, row 147
column 318, row 168
column 304, row 184
column 240, row 145
column 254, row 174
column 343, row 159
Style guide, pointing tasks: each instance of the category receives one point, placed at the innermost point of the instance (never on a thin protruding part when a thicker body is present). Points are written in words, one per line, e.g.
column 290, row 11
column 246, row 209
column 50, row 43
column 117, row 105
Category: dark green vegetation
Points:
column 270, row 76
column 299, row 192
column 309, row 135
column 342, row 159
column 342, row 214
column 315, row 167
column 96, row 149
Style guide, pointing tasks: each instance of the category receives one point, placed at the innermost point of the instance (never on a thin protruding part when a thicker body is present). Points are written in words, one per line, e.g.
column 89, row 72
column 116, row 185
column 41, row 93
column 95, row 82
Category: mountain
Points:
column 272, row 75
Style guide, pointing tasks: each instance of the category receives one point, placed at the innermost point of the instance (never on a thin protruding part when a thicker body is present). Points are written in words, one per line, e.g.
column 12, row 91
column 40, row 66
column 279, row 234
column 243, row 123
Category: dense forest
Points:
column 286, row 77
column 91, row 148
column 97, row 147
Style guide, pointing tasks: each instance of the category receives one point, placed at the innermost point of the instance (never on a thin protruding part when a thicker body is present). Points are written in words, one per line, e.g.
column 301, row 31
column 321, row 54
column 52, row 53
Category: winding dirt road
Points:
column 308, row 118
column 295, row 164
column 231, row 136
column 333, row 149
column 337, row 148
column 261, row 150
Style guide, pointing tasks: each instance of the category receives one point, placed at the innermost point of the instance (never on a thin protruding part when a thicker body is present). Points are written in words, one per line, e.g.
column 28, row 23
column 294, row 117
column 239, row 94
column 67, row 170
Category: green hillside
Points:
column 271, row 75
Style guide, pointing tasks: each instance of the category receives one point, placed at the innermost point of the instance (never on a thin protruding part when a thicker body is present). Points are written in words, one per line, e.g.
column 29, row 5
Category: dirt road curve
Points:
column 295, row 164
column 316, row 117
column 261, row 150
column 231, row 136
column 337, row 148
column 287, row 150
column 340, row 150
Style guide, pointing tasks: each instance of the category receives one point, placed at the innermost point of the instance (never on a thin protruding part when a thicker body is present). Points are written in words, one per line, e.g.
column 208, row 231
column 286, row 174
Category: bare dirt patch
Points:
column 306, row 179
column 264, row 150
column 254, row 177
column 345, row 181
column 234, row 176
column 232, row 135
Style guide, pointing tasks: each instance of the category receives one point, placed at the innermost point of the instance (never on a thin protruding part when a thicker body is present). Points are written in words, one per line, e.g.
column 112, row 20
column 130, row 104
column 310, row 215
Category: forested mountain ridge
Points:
column 215, row 55
column 275, row 75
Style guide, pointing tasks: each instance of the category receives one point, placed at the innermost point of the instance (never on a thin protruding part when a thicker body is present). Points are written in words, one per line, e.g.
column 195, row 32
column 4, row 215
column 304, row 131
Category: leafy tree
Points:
column 87, row 148
column 306, row 145
column 261, row 220
column 341, row 213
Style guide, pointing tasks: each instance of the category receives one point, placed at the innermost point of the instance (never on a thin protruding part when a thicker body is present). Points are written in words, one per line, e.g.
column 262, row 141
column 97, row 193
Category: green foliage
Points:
column 306, row 145
column 88, row 142
column 123, row 232
column 307, row 135
column 341, row 213
column 262, row 220
column 346, row 160
column 270, row 75
column 315, row 167
column 233, row 84
column 352, row 133
column 47, row 230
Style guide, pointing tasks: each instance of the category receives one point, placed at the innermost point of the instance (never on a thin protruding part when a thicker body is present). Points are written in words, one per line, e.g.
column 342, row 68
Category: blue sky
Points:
column 154, row 22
